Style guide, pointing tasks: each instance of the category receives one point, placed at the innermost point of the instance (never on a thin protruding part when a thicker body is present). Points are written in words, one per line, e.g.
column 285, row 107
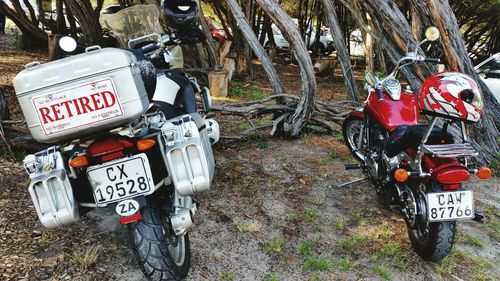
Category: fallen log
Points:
column 328, row 116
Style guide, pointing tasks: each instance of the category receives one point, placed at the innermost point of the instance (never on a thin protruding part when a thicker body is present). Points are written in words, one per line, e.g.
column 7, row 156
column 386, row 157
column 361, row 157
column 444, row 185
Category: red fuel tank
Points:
column 390, row 114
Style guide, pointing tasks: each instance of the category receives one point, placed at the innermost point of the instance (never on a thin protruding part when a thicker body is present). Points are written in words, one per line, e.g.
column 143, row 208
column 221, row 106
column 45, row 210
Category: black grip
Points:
column 148, row 48
column 432, row 60
column 379, row 93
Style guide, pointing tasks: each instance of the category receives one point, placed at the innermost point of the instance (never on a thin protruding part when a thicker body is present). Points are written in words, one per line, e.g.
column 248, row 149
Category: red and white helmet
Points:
column 452, row 94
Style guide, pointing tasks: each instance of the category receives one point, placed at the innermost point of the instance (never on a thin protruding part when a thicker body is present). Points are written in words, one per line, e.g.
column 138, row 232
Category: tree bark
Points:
column 395, row 35
column 247, row 31
column 88, row 18
column 294, row 126
column 4, row 110
column 55, row 51
column 218, row 83
column 32, row 35
column 342, row 53
column 209, row 43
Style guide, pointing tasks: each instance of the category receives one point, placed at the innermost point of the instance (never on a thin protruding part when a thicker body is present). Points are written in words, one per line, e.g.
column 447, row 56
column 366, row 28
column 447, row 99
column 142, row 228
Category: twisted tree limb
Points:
column 328, row 116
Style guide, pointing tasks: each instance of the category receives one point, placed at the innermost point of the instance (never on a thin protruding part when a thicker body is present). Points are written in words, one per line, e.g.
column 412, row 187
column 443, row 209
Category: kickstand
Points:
column 351, row 182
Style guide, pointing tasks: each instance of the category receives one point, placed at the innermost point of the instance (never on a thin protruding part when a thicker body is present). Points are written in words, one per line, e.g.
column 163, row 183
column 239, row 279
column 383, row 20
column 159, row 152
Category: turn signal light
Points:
column 484, row 173
column 401, row 175
column 79, row 162
column 145, row 144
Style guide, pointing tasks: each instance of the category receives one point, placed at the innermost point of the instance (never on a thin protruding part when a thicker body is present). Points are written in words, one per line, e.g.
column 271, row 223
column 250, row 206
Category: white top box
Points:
column 83, row 94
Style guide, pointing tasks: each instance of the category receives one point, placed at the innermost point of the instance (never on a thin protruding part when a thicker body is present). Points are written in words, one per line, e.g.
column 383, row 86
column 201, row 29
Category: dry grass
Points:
column 87, row 257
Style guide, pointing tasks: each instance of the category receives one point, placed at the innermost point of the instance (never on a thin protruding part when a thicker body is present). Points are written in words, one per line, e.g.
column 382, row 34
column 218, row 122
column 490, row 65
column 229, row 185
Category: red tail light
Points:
column 451, row 186
column 452, row 175
column 108, row 149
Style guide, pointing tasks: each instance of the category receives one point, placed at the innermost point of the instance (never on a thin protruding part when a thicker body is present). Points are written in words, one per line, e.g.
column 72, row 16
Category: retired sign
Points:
column 77, row 106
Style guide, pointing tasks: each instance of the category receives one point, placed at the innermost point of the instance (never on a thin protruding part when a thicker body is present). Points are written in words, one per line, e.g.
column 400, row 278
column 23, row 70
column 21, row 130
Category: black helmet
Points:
column 181, row 14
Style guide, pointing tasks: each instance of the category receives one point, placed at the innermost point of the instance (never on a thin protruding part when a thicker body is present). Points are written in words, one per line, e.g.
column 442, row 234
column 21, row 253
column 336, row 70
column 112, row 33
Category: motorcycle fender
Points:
column 357, row 114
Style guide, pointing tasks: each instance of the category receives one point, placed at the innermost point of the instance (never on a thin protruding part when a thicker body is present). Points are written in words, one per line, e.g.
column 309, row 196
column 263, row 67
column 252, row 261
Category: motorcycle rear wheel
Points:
column 159, row 258
column 351, row 130
column 431, row 240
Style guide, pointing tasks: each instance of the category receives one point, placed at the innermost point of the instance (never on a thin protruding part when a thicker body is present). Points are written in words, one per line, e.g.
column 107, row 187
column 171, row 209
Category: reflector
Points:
column 130, row 219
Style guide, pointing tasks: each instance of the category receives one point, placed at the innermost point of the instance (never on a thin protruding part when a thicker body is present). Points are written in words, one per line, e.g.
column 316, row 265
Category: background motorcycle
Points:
column 116, row 149
column 421, row 168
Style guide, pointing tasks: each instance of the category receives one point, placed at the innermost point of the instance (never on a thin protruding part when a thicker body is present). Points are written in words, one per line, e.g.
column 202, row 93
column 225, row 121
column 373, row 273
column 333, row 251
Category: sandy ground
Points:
column 266, row 204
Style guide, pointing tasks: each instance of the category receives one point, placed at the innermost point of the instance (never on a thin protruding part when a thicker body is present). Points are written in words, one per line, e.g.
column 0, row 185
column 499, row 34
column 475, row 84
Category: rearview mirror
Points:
column 67, row 44
column 432, row 33
column 370, row 79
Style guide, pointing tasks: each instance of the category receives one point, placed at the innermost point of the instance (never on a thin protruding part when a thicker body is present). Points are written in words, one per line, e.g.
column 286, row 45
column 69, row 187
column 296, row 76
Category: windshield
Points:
column 132, row 23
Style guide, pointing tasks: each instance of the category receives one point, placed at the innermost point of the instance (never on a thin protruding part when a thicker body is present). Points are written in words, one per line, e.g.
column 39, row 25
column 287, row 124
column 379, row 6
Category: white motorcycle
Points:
column 127, row 137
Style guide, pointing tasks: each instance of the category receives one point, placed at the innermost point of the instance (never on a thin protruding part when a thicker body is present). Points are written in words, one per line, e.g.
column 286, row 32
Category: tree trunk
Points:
column 247, row 31
column 239, row 44
column 395, row 35
column 218, row 83
column 209, row 43
column 4, row 110
column 61, row 21
column 88, row 18
column 248, row 49
column 55, row 51
column 294, row 126
column 33, row 37
column 369, row 48
column 343, row 55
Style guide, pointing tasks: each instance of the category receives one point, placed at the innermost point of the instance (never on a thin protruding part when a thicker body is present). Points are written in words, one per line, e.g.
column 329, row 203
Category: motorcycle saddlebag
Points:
column 69, row 98
column 188, row 153
column 50, row 189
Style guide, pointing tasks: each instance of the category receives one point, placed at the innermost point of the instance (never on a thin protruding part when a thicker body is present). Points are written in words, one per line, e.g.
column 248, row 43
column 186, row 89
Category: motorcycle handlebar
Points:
column 432, row 60
column 379, row 93
column 148, row 48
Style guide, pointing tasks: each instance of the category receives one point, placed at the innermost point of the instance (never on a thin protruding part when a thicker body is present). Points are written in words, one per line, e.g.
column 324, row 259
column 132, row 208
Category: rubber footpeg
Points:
column 353, row 166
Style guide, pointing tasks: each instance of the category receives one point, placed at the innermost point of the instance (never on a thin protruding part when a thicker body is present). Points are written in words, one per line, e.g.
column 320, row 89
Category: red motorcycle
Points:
column 420, row 168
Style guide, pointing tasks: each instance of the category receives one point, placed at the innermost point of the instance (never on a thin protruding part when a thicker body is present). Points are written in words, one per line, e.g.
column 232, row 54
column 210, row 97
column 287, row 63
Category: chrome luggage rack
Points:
column 464, row 149
column 451, row 150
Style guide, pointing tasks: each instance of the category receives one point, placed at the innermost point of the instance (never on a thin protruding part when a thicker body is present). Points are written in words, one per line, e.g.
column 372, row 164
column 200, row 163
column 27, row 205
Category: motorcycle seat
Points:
column 410, row 137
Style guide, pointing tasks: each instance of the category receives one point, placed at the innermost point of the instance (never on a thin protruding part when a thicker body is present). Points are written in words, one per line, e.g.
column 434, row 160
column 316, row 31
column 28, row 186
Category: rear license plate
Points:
column 121, row 179
column 450, row 205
